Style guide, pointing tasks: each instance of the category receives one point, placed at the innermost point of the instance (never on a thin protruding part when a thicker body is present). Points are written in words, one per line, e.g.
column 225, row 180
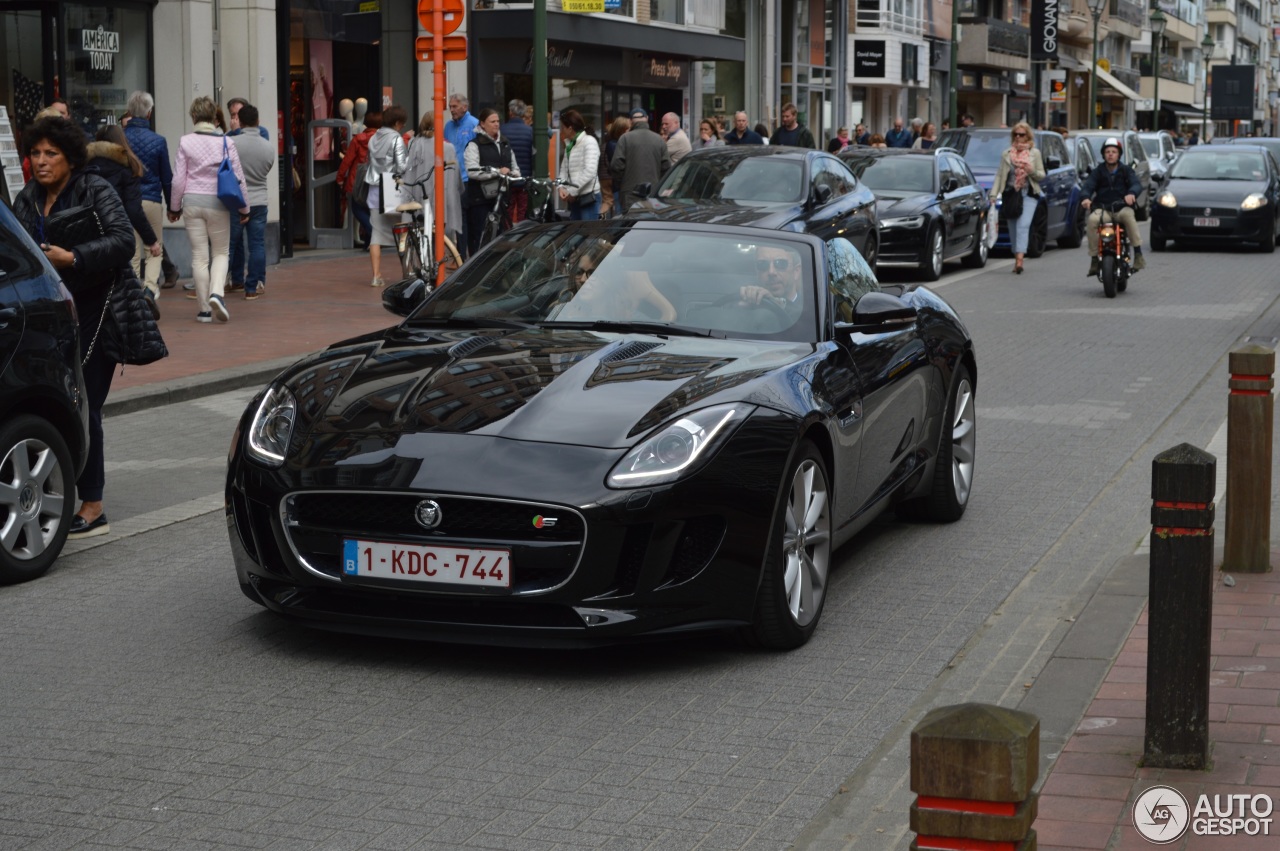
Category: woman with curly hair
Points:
column 60, row 183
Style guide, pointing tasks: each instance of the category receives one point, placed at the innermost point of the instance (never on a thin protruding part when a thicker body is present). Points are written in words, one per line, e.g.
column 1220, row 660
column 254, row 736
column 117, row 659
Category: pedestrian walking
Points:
column 791, row 131
column 678, row 144
column 520, row 135
column 861, row 136
column 641, row 157
column 356, row 156
column 1021, row 169
column 840, row 141
column 489, row 149
column 899, row 136
column 709, row 135
column 421, row 165
column 388, row 156
column 156, row 187
column 257, row 158
column 237, row 126
column 928, row 137
column 60, row 183
column 610, row 186
column 459, row 130
column 580, row 168
column 195, row 201
column 110, row 158
column 742, row 134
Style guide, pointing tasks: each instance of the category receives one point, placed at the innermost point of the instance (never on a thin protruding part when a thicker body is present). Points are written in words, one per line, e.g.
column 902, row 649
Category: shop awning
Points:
column 1108, row 78
column 1186, row 110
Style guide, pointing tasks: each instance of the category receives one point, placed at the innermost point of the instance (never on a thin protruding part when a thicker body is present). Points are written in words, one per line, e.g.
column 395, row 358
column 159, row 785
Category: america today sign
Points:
column 1044, row 30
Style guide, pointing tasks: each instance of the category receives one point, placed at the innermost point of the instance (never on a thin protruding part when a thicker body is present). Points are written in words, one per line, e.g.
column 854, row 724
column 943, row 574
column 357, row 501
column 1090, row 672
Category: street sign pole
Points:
column 439, row 18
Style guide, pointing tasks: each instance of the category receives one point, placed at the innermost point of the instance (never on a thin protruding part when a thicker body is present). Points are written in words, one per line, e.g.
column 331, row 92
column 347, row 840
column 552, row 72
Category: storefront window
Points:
column 582, row 95
column 106, row 60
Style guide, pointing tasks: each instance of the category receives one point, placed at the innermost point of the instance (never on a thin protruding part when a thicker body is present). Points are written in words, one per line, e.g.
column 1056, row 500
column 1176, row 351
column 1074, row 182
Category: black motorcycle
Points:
column 1115, row 255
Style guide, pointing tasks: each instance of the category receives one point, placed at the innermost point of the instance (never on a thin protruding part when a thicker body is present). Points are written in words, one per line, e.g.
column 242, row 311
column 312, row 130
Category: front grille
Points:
column 317, row 524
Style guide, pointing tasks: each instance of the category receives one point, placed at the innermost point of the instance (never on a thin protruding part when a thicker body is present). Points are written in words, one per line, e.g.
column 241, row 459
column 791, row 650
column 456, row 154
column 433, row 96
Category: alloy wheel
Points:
column 963, row 441
column 806, row 542
column 31, row 503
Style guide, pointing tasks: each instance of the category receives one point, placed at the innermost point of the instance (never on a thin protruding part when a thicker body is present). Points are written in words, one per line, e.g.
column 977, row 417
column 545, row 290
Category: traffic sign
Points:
column 453, row 13
column 455, row 48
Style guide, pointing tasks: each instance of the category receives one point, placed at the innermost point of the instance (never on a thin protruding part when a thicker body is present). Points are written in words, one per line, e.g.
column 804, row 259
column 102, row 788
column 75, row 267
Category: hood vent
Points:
column 471, row 346
column 627, row 351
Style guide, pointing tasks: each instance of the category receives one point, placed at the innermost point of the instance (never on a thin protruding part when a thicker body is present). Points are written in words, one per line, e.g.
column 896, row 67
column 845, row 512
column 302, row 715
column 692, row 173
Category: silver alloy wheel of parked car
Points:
column 931, row 268
column 963, row 440
column 32, row 499
column 806, row 542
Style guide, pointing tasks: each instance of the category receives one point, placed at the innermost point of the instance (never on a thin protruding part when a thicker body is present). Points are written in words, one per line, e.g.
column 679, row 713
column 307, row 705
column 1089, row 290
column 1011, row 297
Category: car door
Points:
column 840, row 214
column 1058, row 182
column 892, row 370
column 15, row 266
column 972, row 199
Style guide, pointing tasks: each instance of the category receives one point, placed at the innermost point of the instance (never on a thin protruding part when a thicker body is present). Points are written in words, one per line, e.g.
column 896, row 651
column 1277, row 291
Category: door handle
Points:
column 7, row 313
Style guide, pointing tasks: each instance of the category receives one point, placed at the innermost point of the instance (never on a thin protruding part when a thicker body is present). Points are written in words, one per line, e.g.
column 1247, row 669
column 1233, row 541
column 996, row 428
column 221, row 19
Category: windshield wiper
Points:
column 472, row 322
column 659, row 329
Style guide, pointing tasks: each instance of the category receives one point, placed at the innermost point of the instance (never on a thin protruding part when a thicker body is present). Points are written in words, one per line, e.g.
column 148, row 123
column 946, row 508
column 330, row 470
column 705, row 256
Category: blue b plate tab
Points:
column 350, row 557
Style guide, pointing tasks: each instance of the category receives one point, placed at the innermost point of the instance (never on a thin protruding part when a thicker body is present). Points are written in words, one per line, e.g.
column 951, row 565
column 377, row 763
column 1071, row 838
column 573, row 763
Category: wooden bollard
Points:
column 972, row 768
column 1180, row 608
column 1250, row 409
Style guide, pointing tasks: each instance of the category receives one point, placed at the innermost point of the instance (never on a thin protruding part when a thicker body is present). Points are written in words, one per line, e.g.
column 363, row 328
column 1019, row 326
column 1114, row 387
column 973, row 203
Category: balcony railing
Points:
column 887, row 19
column 1129, row 76
column 1171, row 68
column 1129, row 12
column 1184, row 10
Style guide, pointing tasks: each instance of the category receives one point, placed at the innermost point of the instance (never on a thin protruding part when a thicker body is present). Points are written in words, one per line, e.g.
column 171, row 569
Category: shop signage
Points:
column 659, row 71
column 582, row 5
column 1044, row 30
column 1057, row 85
column 102, row 46
column 868, row 58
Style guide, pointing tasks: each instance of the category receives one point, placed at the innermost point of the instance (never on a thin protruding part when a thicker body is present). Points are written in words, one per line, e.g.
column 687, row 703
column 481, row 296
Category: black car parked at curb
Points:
column 774, row 187
column 930, row 205
column 44, row 417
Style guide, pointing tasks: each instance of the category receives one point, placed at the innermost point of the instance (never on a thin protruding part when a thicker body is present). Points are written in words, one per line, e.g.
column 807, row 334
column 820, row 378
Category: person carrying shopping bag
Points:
column 1017, row 185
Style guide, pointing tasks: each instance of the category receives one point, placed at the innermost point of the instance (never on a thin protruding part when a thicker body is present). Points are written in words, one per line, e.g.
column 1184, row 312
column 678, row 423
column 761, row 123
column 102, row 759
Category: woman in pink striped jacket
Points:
column 195, row 199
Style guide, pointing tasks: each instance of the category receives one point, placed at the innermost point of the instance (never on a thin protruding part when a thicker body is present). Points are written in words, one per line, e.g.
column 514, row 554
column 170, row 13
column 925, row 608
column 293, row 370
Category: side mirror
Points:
column 876, row 312
column 642, row 190
column 1052, row 162
column 403, row 297
column 820, row 195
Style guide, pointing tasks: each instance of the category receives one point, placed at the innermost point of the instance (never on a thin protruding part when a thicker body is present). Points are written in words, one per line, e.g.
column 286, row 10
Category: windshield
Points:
column 1219, row 164
column 895, row 174
column 626, row 277
column 1152, row 146
column 981, row 150
column 761, row 180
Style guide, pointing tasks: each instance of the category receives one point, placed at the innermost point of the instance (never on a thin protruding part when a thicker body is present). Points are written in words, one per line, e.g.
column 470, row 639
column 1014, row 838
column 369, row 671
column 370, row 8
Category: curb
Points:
column 146, row 396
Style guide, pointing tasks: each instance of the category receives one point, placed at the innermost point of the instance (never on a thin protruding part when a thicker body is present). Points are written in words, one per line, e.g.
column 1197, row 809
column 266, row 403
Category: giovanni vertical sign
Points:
column 1044, row 30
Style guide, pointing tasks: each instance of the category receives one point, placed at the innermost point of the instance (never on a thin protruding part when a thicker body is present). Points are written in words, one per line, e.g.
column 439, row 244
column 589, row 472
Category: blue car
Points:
column 1061, row 217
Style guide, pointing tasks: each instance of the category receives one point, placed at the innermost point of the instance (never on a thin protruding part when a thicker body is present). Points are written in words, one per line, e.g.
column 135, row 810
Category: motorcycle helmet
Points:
column 1113, row 142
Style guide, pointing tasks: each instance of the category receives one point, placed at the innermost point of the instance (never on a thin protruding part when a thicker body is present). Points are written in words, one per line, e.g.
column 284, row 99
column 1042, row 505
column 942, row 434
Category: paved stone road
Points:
column 147, row 704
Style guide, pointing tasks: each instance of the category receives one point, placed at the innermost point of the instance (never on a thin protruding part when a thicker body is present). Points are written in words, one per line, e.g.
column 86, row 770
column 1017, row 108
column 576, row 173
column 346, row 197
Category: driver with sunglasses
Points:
column 779, row 274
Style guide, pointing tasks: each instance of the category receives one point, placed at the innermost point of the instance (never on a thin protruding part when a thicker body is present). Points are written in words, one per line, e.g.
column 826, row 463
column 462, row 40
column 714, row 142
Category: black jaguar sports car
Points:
column 600, row 430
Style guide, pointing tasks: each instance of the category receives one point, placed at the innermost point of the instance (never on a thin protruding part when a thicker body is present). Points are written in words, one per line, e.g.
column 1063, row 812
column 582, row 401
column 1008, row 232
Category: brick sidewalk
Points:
column 311, row 300
column 1086, row 800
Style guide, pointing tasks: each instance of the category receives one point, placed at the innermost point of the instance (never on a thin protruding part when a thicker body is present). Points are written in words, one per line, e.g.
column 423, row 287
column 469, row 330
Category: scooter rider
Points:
column 1109, row 182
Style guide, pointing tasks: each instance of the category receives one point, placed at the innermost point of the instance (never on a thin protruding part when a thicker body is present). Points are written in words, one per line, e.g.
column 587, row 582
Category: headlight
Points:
column 1254, row 201
column 272, row 427
column 906, row 222
column 677, row 448
column 1166, row 199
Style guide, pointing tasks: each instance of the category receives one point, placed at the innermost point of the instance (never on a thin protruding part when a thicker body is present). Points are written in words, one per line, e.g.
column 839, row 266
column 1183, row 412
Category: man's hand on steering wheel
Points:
column 753, row 296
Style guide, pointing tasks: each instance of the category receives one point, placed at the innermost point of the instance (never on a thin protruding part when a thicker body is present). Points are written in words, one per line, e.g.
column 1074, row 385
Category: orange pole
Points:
column 437, row 56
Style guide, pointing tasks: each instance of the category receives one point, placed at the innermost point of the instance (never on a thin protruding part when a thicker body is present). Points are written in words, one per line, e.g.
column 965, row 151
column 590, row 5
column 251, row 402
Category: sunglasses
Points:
column 782, row 264
column 1019, row 135
column 583, row 270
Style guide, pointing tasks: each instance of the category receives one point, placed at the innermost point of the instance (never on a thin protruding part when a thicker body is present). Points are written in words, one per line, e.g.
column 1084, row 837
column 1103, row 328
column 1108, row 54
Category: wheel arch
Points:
column 58, row 415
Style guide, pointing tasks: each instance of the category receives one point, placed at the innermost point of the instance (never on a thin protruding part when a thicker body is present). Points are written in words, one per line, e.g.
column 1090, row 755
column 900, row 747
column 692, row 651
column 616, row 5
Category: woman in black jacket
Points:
column 59, row 184
column 111, row 158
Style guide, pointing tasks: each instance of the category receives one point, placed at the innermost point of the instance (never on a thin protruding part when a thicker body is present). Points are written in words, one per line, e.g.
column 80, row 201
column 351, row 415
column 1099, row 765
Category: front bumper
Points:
column 1234, row 224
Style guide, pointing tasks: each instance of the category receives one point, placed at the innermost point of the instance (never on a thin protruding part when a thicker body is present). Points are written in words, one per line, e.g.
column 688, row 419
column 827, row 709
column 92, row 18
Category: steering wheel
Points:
column 771, row 304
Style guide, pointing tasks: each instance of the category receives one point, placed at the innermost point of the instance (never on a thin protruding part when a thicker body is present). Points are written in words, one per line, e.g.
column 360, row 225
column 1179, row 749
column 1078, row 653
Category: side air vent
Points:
column 628, row 351
column 471, row 346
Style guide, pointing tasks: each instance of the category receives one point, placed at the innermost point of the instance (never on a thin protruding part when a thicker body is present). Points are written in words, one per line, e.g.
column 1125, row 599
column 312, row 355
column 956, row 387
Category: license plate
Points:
column 449, row 565
column 1202, row 222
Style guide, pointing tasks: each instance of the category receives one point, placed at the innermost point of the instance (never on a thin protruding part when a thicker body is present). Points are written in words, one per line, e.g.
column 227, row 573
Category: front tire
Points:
column 793, row 586
column 37, row 483
column 872, row 251
column 1268, row 243
column 977, row 258
column 1158, row 243
column 931, row 268
column 954, row 465
column 1107, row 273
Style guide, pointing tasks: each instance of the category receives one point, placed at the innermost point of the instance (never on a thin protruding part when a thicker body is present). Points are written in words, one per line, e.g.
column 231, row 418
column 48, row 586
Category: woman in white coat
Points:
column 580, row 168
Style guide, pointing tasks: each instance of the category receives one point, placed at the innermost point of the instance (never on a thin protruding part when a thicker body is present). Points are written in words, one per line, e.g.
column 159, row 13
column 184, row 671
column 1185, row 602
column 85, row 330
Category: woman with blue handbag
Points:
column 208, row 188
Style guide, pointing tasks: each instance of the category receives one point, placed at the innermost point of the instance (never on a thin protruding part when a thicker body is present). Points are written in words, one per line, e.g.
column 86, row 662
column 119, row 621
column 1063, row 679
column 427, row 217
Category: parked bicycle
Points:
column 542, row 193
column 414, row 240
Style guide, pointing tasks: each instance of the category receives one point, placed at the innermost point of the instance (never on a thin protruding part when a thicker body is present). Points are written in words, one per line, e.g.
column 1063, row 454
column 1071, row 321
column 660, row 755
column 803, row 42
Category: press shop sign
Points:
column 102, row 46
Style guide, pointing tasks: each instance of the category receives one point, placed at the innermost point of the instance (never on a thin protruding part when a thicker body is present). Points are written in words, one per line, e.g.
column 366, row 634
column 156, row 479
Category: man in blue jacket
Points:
column 520, row 135
column 150, row 147
column 459, row 130
column 1111, row 181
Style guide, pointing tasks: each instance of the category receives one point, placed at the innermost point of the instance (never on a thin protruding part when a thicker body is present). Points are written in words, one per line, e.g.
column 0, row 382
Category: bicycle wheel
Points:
column 413, row 254
column 452, row 259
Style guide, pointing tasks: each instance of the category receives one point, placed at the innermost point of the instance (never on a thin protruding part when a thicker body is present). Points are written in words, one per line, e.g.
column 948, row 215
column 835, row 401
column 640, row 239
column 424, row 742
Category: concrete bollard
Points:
column 1180, row 609
column 973, row 767
column 1250, row 410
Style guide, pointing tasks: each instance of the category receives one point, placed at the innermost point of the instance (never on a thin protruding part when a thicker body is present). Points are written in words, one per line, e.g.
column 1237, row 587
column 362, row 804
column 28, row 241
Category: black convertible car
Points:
column 597, row 430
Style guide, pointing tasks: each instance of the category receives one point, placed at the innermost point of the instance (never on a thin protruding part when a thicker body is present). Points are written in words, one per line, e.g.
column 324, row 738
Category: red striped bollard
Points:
column 972, row 768
column 1180, row 609
column 1250, row 409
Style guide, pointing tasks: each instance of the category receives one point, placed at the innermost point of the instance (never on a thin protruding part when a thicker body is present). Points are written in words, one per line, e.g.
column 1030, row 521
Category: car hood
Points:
column 762, row 215
column 583, row 388
column 891, row 205
column 1212, row 193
